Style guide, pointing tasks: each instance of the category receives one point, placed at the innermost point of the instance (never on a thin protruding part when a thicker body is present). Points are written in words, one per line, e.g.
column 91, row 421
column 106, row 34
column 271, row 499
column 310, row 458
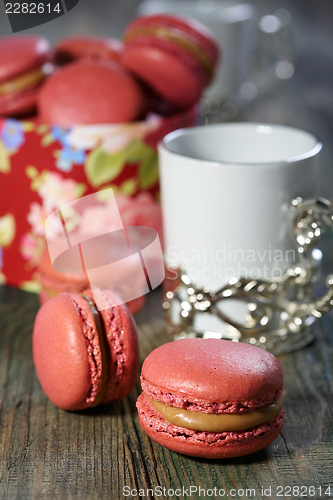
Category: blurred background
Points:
column 299, row 94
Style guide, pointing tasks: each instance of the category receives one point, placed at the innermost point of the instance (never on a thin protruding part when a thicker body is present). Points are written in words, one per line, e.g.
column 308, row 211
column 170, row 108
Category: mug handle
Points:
column 277, row 320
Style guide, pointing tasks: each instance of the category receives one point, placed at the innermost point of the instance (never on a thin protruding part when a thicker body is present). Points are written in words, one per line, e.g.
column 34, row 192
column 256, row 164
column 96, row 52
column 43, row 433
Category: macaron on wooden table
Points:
column 103, row 452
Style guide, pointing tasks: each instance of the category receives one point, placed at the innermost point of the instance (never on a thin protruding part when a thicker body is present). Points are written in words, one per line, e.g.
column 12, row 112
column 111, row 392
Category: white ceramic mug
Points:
column 226, row 194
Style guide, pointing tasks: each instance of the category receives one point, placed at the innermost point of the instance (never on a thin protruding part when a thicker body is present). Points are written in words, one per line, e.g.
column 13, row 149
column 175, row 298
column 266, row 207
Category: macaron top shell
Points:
column 90, row 92
column 91, row 47
column 19, row 54
column 212, row 376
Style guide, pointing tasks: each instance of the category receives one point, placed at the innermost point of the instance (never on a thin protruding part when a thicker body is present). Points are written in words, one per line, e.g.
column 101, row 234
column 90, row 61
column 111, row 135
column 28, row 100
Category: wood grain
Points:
column 47, row 453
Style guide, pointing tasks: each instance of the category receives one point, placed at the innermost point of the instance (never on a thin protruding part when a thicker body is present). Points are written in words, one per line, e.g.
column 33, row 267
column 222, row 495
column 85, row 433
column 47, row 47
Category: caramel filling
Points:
column 225, row 422
column 102, row 343
column 23, row 82
column 180, row 39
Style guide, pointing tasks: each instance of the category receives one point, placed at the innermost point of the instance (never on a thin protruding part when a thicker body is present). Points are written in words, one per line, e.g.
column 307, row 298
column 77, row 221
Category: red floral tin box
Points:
column 45, row 166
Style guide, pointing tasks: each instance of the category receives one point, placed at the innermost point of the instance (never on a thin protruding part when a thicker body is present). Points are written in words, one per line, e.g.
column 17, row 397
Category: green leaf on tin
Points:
column 47, row 140
column 80, row 189
column 139, row 152
column 42, row 129
column 148, row 172
column 38, row 180
column 7, row 229
column 28, row 126
column 101, row 167
column 30, row 286
column 104, row 195
column 31, row 172
column 129, row 187
column 4, row 159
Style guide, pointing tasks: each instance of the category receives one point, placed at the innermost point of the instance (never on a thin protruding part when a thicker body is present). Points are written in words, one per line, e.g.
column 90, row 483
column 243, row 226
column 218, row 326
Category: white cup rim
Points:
column 167, row 140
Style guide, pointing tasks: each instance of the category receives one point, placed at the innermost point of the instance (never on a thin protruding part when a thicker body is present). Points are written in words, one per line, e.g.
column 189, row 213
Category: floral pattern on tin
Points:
column 11, row 139
column 7, row 235
column 54, row 191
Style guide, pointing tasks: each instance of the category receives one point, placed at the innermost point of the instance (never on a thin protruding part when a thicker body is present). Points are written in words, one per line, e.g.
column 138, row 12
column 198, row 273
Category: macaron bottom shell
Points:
column 206, row 444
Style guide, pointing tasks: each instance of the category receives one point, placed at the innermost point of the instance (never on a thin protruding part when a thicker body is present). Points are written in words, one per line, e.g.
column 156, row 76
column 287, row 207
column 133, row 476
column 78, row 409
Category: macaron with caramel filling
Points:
column 174, row 55
column 211, row 398
column 85, row 357
column 25, row 62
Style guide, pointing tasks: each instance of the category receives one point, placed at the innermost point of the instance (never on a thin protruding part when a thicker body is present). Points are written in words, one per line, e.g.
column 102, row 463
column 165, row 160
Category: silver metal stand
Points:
column 279, row 312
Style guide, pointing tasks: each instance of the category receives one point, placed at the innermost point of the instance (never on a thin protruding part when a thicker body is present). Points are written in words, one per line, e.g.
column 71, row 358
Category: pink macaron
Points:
column 23, row 68
column 85, row 357
column 175, row 56
column 87, row 47
column 211, row 398
column 90, row 92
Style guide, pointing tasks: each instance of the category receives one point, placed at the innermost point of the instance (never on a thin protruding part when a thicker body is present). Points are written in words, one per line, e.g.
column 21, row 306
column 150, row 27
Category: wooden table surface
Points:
column 47, row 453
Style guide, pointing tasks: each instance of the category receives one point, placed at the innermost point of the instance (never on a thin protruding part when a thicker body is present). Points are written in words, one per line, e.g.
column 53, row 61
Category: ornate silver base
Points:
column 276, row 344
column 278, row 314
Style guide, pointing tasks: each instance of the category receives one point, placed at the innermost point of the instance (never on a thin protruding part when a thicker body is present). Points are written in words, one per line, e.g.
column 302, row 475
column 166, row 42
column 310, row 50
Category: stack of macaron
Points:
column 25, row 63
column 174, row 56
column 163, row 65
